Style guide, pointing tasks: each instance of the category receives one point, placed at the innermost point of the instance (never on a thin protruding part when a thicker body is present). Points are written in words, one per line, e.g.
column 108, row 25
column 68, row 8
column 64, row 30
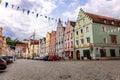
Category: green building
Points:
column 96, row 36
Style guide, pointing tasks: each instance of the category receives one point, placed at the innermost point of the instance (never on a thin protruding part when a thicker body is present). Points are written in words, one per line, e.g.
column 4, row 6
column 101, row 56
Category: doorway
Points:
column 78, row 55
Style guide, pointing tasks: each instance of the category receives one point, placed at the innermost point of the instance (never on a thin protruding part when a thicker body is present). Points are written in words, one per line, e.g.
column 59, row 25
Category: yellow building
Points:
column 33, row 48
column 47, row 43
column 4, row 46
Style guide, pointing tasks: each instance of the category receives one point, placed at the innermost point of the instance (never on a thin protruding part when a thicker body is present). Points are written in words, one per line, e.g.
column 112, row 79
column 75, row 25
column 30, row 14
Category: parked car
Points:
column 11, row 58
column 54, row 58
column 36, row 58
column 45, row 58
column 6, row 59
column 3, row 64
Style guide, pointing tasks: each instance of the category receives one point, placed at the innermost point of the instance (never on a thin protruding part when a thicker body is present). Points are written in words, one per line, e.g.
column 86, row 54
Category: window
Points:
column 105, row 21
column 88, row 39
column 77, row 42
column 71, row 36
column 103, row 29
column 113, row 39
column 71, row 43
column 76, row 32
column 112, row 22
column 87, row 29
column 105, row 40
column 81, row 30
column 82, row 41
column 112, row 52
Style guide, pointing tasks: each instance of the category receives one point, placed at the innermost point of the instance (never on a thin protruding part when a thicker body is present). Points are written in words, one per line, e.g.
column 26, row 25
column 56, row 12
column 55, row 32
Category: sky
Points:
column 17, row 24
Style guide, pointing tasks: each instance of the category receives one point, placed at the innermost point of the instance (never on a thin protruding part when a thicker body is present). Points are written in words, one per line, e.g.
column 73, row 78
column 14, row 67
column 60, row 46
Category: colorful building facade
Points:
column 52, row 43
column 96, row 36
column 48, row 43
column 43, row 46
column 69, row 39
column 60, row 39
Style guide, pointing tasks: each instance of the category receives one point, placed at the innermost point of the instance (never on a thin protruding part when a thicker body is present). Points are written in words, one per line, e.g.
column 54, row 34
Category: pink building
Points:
column 69, row 39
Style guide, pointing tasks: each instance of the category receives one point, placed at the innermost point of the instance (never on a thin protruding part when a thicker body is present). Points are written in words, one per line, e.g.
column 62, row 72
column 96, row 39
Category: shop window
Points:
column 112, row 52
column 103, row 52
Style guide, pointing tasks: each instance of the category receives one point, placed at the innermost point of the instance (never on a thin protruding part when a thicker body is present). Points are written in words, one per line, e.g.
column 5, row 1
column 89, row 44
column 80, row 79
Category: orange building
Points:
column 52, row 43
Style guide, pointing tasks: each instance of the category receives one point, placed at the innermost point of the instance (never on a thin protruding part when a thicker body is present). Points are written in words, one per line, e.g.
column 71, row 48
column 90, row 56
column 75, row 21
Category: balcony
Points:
column 82, row 45
column 88, row 44
column 76, row 36
column 81, row 35
column 78, row 26
column 76, row 46
column 83, row 24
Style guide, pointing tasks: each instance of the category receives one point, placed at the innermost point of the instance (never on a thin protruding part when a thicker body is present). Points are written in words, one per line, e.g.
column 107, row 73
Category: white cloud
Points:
column 105, row 7
column 23, row 25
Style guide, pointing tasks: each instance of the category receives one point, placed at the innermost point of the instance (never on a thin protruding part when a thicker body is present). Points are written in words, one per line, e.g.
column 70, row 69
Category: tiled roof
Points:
column 101, row 19
column 22, row 45
column 34, row 41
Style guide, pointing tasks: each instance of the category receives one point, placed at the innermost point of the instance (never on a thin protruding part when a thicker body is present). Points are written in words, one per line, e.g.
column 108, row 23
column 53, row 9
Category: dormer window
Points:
column 105, row 21
column 112, row 22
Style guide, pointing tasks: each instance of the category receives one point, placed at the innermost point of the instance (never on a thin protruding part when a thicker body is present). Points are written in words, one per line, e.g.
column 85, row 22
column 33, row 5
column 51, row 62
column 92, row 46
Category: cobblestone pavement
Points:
column 62, row 70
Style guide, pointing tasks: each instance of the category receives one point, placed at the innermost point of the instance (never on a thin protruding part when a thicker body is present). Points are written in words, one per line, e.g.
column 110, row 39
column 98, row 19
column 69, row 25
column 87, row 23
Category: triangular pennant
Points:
column 12, row 6
column 6, row 4
column 52, row 18
column 18, row 8
column 48, row 18
column 28, row 12
column 32, row 12
column 37, row 15
column 23, row 10
column 45, row 16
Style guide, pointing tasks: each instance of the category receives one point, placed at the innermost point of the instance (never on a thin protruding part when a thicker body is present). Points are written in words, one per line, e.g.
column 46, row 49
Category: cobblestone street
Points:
column 62, row 70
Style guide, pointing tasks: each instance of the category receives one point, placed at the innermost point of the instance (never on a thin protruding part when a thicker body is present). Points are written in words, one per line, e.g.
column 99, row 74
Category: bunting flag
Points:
column 12, row 6
column 32, row 12
column 52, row 18
column 6, row 4
column 37, row 15
column 18, row 8
column 48, row 18
column 45, row 16
column 28, row 12
column 23, row 10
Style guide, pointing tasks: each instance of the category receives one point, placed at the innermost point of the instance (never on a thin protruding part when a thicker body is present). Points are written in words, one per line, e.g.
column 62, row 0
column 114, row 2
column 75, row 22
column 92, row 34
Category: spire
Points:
column 59, row 21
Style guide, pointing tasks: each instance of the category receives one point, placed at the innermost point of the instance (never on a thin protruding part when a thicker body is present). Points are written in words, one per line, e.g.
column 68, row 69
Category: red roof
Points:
column 101, row 19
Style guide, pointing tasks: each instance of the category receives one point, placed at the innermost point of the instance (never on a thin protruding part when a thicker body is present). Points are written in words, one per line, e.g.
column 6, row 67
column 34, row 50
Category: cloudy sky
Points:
column 17, row 24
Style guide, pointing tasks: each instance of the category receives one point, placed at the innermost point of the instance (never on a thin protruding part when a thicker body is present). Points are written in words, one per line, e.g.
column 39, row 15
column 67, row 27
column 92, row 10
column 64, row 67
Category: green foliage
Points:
column 12, row 43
